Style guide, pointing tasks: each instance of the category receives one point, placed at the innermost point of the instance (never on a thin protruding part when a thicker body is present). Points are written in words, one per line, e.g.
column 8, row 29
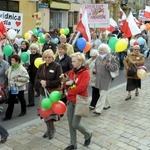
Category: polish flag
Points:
column 81, row 12
column 137, row 22
column 147, row 12
column 3, row 30
column 83, row 27
column 129, row 27
column 122, row 14
column 113, row 24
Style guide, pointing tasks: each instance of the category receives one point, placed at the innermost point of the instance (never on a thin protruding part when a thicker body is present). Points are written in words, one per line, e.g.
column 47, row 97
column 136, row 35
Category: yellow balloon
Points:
column 141, row 73
column 27, row 36
column 121, row 45
column 62, row 31
column 38, row 62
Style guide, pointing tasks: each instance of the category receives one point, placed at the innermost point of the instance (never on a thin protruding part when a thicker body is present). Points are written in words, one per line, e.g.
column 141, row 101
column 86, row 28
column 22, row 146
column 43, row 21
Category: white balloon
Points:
column 132, row 42
column 11, row 33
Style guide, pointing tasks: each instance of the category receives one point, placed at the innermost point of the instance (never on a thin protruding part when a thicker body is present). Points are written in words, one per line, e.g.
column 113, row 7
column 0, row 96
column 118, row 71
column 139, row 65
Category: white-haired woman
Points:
column 91, row 64
column 103, row 65
column 34, row 48
column 79, row 76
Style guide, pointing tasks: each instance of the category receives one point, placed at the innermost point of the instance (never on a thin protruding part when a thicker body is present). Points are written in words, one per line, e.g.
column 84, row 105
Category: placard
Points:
column 12, row 20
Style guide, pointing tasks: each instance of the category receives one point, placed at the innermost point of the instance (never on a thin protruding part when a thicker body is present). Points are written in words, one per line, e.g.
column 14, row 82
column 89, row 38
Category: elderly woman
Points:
column 48, row 77
column 79, row 76
column 133, row 82
column 91, row 64
column 103, row 65
column 32, row 73
column 17, row 79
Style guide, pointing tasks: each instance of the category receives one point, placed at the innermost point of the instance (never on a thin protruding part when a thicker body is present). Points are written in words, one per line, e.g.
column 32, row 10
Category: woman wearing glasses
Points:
column 133, row 82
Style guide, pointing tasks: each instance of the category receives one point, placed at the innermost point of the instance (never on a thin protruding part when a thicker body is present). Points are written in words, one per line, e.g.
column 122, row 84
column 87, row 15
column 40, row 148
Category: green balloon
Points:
column 112, row 43
column 55, row 96
column 67, row 31
column 24, row 56
column 42, row 40
column 7, row 50
column 46, row 103
column 35, row 31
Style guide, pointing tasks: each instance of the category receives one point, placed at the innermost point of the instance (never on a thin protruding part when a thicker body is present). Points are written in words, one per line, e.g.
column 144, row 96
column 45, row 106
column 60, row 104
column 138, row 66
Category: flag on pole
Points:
column 147, row 12
column 113, row 24
column 129, row 27
column 137, row 22
column 122, row 14
column 83, row 27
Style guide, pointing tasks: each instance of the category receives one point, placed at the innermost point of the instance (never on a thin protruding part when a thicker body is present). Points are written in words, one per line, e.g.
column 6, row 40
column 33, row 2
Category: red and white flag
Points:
column 137, row 22
column 129, row 27
column 113, row 24
column 83, row 27
column 122, row 14
column 147, row 12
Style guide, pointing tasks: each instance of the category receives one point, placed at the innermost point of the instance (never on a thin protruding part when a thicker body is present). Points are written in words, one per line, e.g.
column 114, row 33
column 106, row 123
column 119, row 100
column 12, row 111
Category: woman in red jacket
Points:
column 80, row 77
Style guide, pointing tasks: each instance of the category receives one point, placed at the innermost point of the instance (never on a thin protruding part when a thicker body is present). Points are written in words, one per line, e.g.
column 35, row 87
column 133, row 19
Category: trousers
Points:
column 102, row 101
column 3, row 132
column 74, row 124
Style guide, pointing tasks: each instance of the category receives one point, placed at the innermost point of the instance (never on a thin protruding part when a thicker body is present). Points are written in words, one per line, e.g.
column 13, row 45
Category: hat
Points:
column 94, row 52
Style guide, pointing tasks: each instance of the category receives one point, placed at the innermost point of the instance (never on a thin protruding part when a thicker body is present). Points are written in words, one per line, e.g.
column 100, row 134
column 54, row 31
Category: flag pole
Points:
column 76, row 37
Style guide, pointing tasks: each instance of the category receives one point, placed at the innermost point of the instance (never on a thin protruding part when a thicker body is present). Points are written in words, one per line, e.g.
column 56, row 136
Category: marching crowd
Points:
column 92, row 68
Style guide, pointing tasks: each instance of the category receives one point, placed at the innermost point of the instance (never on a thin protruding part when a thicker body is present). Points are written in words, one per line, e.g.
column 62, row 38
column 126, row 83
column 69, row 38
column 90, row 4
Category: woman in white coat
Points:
column 17, row 79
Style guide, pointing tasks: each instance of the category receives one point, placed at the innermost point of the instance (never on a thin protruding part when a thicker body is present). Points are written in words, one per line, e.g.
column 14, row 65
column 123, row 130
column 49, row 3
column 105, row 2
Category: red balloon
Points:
column 45, row 113
column 142, row 67
column 135, row 43
column 59, row 107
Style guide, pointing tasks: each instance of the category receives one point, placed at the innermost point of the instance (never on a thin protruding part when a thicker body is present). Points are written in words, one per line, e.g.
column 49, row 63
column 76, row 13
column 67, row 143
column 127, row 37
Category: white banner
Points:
column 12, row 20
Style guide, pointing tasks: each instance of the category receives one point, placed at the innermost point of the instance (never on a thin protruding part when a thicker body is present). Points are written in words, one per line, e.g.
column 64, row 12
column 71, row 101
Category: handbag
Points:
column 132, row 71
column 81, row 107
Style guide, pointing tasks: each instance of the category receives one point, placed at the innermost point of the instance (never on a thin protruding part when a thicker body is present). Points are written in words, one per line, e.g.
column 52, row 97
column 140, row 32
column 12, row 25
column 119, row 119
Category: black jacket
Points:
column 49, row 45
column 65, row 63
column 32, row 69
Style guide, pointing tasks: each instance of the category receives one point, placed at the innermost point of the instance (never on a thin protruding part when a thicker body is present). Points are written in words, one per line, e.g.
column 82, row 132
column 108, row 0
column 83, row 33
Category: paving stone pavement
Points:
column 125, row 126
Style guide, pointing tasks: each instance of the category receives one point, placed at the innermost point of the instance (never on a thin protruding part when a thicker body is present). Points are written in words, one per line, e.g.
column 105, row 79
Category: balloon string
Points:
column 46, row 92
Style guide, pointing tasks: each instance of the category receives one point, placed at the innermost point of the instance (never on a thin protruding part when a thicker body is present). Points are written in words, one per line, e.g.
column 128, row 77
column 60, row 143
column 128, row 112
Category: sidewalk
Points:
column 125, row 126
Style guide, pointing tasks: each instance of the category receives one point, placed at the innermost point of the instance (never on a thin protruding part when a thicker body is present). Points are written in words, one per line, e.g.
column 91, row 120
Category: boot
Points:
column 48, row 130
column 52, row 130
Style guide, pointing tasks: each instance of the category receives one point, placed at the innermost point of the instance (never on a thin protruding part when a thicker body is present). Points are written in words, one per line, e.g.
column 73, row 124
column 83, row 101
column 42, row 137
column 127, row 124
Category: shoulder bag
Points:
column 133, row 70
column 81, row 107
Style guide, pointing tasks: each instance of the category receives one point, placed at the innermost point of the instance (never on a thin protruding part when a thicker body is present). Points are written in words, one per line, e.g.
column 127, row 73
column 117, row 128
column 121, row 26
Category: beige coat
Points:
column 22, row 76
column 139, row 58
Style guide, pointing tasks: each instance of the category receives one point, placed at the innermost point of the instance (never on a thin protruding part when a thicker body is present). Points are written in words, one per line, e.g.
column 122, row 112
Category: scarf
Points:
column 14, row 67
column 102, row 55
column 77, row 70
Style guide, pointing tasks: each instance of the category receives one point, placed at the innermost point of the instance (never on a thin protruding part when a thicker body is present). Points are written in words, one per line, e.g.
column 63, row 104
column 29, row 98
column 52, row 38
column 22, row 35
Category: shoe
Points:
column 128, row 98
column 137, row 94
column 52, row 133
column 5, row 118
column 21, row 114
column 46, row 135
column 71, row 147
column 3, row 140
column 106, row 108
column 30, row 105
column 37, row 95
column 91, row 107
column 96, row 113
column 88, row 141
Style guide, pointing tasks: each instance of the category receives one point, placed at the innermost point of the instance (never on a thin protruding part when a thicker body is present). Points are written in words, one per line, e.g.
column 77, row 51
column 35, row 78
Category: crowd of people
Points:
column 90, row 69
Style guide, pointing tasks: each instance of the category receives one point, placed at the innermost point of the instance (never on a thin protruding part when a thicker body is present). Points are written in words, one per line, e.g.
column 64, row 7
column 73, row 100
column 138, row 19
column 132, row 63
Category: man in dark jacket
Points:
column 49, row 44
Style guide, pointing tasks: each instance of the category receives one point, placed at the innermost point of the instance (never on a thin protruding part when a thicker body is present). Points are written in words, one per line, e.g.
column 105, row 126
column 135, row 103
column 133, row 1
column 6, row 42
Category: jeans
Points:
column 3, row 132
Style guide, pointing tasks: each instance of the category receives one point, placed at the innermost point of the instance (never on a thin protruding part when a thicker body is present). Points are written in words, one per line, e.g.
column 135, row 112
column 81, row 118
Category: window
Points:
column 7, row 5
column 75, row 17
